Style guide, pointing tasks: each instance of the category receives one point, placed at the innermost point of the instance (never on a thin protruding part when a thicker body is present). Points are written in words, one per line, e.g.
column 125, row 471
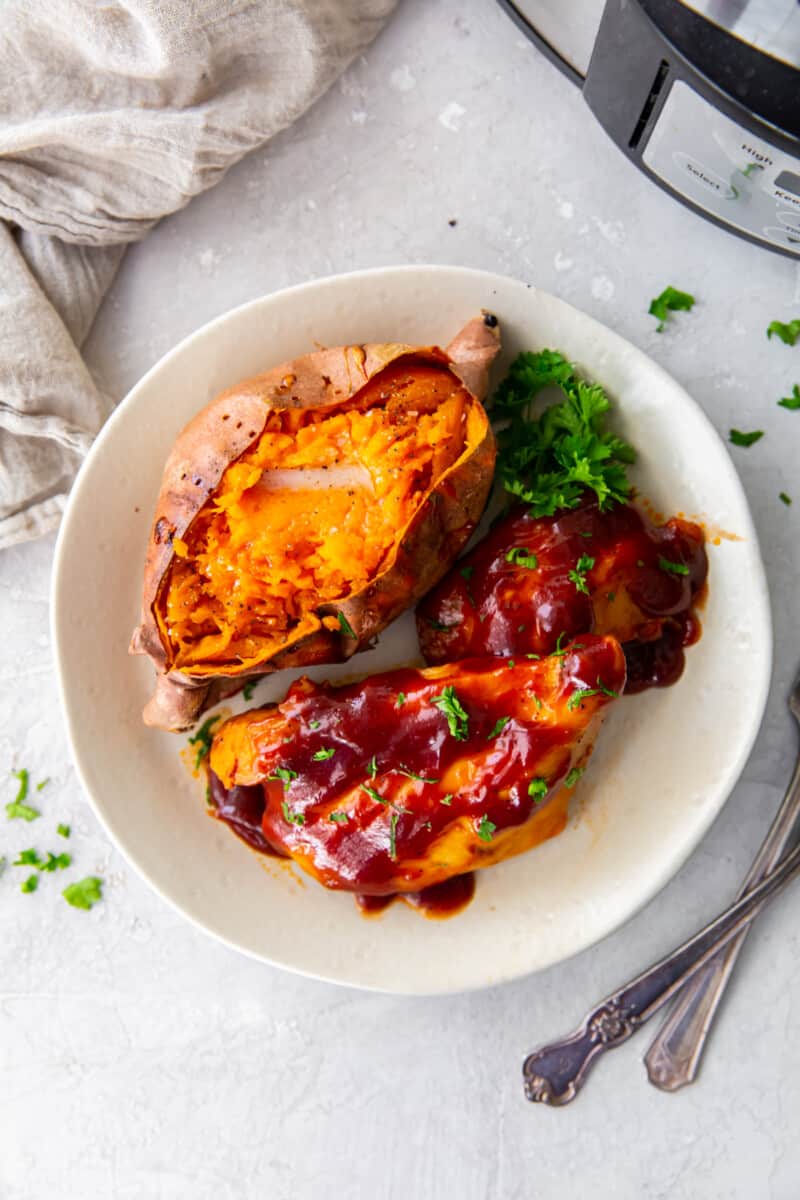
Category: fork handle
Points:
column 555, row 1074
column 673, row 1059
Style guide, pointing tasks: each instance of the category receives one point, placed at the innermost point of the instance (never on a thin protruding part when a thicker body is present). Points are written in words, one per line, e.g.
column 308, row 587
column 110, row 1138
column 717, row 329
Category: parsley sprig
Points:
column 670, row 300
column 549, row 461
column 457, row 716
column 788, row 332
column 578, row 573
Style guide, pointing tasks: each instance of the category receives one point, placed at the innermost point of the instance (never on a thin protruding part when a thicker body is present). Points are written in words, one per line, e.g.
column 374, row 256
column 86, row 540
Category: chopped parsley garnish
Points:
column 84, row 894
column 344, row 625
column 373, row 795
column 248, row 689
column 670, row 300
column 457, row 718
column 393, row 819
column 537, row 788
column 43, row 784
column 284, row 775
column 536, row 700
column 401, row 699
column 497, row 728
column 791, row 402
column 578, row 574
column 440, row 625
column 744, row 439
column 520, row 629
column 17, row 809
column 559, row 652
column 788, row 333
column 550, row 461
column 447, row 800
column 203, row 739
column 511, row 664
column 372, row 767
column 522, row 558
column 27, row 858
column 607, row 691
column 674, row 568
column 314, row 724
column 412, row 775
column 486, row 828
column 466, row 572
column 55, row 862
column 338, row 817
column 30, row 884
column 573, row 776
column 786, row 499
column 294, row 818
column 611, row 597
column 536, row 656
column 578, row 696
column 63, row 831
column 322, row 755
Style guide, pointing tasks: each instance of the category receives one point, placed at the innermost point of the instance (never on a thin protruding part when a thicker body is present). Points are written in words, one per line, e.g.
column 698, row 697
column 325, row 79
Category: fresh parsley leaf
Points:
column 791, row 402
column 579, row 695
column 611, row 597
column 745, row 439
column 439, row 625
column 412, row 775
column 63, row 831
column 550, row 461
column 522, row 558
column 393, row 819
column 606, row 691
column 578, row 574
column 559, row 651
column 670, row 300
column 788, row 333
column 55, row 862
column 466, row 572
column 511, row 664
column 786, row 499
column 27, row 858
column 372, row 767
column 30, row 884
column 203, row 739
column 537, row 788
column 536, row 700
column 294, row 818
column 338, row 817
column 457, row 718
column 85, row 893
column 248, row 689
column 17, row 809
column 401, row 699
column 284, row 774
column 42, row 784
column 536, row 656
column 674, row 568
column 486, row 829
column 373, row 795
column 573, row 776
column 447, row 800
column 345, row 626
column 314, row 724
column 497, row 728
column 322, row 755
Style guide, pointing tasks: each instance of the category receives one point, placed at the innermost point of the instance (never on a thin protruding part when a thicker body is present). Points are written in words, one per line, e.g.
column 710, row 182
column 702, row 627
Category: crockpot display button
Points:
column 783, row 237
column 704, row 177
column 791, row 221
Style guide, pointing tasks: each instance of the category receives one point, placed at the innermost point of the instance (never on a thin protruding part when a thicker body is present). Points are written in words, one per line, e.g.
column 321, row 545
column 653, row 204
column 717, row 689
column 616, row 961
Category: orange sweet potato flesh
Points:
column 303, row 510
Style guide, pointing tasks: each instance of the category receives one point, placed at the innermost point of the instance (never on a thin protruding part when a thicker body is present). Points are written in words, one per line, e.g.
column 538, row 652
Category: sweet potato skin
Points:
column 227, row 427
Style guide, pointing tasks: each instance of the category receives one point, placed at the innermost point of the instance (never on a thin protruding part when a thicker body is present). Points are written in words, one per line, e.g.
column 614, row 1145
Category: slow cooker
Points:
column 703, row 95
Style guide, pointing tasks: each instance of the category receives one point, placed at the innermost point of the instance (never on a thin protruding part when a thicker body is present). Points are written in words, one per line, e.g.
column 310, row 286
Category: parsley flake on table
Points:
column 744, row 439
column 42, row 784
column 457, row 717
column 17, row 809
column 27, row 858
column 203, row 739
column 344, row 625
column 673, row 568
column 787, row 500
column 486, row 828
column 521, row 557
column 294, row 818
column 791, row 402
column 670, row 300
column 578, row 573
column 85, row 893
column 56, row 862
column 30, row 884
column 537, row 788
column 284, row 775
column 322, row 755
column 248, row 689
column 788, row 333
column 573, row 776
column 550, row 461
column 63, row 831
column 497, row 728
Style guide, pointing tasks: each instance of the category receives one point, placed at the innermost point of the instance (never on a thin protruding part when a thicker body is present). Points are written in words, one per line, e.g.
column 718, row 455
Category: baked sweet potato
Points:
column 411, row 777
column 303, row 510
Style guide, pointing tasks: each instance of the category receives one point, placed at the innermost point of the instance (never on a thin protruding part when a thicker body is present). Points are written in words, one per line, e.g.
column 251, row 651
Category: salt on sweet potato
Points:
column 304, row 509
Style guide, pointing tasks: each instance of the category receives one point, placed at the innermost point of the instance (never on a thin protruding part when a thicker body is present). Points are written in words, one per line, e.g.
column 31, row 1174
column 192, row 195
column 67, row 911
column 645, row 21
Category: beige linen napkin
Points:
column 114, row 113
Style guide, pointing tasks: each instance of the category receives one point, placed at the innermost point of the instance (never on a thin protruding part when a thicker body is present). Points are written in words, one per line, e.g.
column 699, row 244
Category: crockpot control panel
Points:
column 720, row 166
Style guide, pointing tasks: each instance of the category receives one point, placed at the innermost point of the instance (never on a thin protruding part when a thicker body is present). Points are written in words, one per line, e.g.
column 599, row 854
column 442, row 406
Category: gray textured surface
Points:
column 139, row 1059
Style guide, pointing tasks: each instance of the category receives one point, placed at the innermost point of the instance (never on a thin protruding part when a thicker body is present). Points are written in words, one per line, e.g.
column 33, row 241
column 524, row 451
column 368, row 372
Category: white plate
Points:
column 665, row 762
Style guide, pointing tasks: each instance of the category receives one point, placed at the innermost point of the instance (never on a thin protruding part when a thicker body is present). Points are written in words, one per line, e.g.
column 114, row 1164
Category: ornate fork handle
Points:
column 555, row 1074
column 674, row 1055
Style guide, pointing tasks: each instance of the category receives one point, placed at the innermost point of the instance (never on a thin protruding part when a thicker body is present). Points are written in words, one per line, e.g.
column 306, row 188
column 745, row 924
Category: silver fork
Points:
column 674, row 1057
